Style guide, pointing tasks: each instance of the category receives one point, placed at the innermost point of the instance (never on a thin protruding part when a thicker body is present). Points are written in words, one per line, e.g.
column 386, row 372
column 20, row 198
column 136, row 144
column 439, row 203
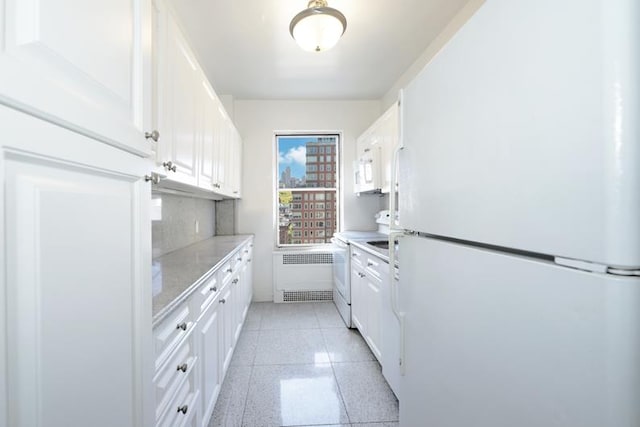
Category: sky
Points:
column 292, row 153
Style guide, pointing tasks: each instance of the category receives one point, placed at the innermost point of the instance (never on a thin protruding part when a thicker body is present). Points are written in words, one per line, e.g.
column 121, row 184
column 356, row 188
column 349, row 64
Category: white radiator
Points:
column 302, row 276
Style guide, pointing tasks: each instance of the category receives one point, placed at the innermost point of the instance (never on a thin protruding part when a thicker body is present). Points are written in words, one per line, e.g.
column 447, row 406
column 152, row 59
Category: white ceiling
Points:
column 246, row 50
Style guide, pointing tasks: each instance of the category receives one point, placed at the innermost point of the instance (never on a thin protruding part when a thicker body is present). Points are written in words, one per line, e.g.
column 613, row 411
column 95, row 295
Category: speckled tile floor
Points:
column 298, row 365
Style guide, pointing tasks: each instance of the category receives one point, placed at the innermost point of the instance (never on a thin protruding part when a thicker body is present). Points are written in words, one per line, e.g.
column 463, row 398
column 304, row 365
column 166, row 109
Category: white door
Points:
column 85, row 65
column 501, row 340
column 523, row 131
column 211, row 353
column 180, row 101
column 77, row 257
column 207, row 136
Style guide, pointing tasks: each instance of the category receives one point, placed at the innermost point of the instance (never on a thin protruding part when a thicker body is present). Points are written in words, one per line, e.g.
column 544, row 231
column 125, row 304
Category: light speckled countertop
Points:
column 177, row 274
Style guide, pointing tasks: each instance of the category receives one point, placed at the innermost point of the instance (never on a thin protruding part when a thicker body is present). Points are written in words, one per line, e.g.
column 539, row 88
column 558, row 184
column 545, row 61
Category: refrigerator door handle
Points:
column 395, row 306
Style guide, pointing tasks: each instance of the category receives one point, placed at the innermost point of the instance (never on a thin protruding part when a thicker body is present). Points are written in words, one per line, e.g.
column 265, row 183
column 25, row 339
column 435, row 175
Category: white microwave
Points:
column 366, row 172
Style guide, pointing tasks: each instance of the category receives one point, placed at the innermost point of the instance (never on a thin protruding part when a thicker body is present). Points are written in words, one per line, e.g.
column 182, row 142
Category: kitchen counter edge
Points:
column 161, row 309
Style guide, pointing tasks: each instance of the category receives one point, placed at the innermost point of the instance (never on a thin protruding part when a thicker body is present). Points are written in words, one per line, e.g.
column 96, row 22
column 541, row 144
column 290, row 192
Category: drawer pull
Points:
column 249, row 260
column 239, row 259
column 246, row 251
column 354, row 254
column 182, row 367
column 369, row 263
column 183, row 408
column 229, row 270
column 222, row 301
column 182, row 326
column 361, row 275
column 213, row 289
column 234, row 281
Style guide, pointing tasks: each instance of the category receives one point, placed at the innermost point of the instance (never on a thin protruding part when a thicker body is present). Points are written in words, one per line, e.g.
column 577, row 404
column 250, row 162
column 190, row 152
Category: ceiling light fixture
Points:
column 318, row 27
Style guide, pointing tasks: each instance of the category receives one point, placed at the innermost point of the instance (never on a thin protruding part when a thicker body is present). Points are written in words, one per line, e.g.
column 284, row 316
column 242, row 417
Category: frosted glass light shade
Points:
column 318, row 28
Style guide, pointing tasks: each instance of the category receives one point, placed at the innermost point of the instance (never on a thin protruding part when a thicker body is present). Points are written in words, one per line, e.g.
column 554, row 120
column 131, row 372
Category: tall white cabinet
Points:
column 75, row 345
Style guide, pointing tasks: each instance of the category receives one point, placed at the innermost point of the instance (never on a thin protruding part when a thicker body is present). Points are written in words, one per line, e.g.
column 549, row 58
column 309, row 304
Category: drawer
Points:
column 357, row 256
column 206, row 294
column 376, row 266
column 226, row 272
column 183, row 410
column 173, row 373
column 168, row 334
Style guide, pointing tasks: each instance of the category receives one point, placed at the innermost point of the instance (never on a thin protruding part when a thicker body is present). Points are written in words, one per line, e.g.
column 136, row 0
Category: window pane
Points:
column 306, row 180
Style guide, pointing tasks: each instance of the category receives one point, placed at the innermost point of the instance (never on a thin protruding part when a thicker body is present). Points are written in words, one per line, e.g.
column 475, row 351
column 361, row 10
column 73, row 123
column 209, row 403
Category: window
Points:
column 299, row 159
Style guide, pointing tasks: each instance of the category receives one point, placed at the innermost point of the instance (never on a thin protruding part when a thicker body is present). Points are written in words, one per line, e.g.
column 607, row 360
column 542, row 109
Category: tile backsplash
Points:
column 178, row 221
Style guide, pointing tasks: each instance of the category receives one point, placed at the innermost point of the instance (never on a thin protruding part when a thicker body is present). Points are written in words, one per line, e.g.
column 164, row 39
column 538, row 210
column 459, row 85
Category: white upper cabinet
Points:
column 84, row 65
column 178, row 95
column 372, row 169
column 199, row 144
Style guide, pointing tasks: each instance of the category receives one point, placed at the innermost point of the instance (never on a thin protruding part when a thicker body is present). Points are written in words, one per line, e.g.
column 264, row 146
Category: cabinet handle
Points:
column 154, row 134
column 246, row 251
column 249, row 260
column 154, row 178
column 216, row 185
column 170, row 166
column 239, row 259
column 354, row 254
column 369, row 263
column 229, row 270
column 361, row 275
column 235, row 192
column 182, row 326
column 234, row 281
column 222, row 301
column 182, row 367
column 213, row 289
column 183, row 408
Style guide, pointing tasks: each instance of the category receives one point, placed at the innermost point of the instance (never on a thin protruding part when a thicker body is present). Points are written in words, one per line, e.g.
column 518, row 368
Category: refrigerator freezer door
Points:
column 498, row 340
column 523, row 131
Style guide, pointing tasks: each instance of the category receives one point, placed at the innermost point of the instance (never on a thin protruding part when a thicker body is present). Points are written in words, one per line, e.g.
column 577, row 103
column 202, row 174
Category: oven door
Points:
column 341, row 269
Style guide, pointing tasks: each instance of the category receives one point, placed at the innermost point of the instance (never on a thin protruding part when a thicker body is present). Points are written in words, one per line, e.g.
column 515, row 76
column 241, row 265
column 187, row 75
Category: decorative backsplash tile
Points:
column 178, row 221
column 225, row 217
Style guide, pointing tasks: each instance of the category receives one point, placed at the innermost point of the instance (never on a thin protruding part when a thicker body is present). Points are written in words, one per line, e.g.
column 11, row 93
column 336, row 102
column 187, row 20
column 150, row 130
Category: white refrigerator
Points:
column 519, row 204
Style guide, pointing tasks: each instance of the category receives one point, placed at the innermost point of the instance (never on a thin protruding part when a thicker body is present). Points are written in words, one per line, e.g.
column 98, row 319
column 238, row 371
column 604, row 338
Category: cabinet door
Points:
column 358, row 304
column 389, row 140
column 373, row 326
column 235, row 163
column 223, row 154
column 180, row 115
column 228, row 326
column 207, row 136
column 76, row 232
column 85, row 65
column 210, row 357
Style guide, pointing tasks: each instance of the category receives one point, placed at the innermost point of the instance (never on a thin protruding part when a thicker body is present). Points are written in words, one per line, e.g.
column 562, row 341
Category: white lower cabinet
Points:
column 191, row 363
column 367, row 273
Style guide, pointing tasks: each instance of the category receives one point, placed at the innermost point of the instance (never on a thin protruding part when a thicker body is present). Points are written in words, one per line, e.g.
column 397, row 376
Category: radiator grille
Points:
column 315, row 258
column 298, row 296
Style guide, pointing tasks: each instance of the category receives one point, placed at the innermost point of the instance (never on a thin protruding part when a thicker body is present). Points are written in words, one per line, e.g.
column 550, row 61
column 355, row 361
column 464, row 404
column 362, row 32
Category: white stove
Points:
column 342, row 263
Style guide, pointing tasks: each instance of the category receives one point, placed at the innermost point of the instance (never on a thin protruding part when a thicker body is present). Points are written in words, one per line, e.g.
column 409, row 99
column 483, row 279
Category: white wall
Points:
column 434, row 47
column 257, row 122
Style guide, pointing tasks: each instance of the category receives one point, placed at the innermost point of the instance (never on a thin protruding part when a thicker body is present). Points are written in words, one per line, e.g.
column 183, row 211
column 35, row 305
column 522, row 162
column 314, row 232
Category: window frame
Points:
column 337, row 190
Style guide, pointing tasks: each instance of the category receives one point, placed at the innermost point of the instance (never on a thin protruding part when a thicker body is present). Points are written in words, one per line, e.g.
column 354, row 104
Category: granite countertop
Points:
column 177, row 274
